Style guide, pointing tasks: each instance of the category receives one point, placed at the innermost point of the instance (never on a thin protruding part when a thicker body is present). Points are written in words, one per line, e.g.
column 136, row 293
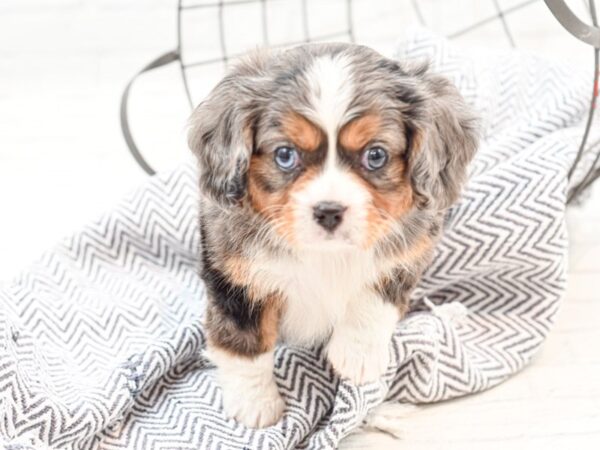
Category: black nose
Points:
column 328, row 214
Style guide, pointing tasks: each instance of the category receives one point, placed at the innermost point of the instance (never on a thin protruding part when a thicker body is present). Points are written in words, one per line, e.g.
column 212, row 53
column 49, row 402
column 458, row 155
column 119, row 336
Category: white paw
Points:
column 254, row 406
column 359, row 360
column 250, row 393
column 389, row 417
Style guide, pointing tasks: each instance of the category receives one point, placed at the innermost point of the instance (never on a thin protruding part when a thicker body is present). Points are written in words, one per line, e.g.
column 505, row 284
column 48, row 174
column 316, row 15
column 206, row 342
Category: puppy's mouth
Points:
column 330, row 242
column 333, row 239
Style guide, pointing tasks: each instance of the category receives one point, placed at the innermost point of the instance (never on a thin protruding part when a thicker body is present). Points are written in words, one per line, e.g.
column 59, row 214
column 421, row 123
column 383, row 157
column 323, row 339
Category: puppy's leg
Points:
column 241, row 341
column 360, row 343
column 250, row 394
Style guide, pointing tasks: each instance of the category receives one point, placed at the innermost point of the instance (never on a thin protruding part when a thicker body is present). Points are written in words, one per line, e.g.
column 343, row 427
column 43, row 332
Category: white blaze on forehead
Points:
column 331, row 89
column 331, row 93
column 336, row 185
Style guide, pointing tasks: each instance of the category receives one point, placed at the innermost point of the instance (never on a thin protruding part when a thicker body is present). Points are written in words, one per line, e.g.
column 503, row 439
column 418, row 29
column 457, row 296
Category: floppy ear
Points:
column 442, row 142
column 222, row 127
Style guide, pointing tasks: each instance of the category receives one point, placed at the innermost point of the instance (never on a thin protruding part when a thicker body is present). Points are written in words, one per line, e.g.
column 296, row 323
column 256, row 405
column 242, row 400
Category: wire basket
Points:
column 237, row 26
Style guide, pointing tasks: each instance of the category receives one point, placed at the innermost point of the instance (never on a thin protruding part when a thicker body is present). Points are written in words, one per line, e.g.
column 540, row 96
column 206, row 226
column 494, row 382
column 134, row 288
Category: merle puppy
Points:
column 325, row 174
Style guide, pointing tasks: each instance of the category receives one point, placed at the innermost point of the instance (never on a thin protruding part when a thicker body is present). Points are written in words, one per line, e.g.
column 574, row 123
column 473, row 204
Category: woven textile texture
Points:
column 101, row 339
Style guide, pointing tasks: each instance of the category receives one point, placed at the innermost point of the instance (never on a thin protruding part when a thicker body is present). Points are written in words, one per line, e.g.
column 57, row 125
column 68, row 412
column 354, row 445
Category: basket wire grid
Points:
column 586, row 33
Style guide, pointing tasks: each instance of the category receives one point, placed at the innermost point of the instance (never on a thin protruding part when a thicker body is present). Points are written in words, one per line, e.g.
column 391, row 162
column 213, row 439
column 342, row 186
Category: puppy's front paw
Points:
column 360, row 359
column 256, row 406
column 250, row 393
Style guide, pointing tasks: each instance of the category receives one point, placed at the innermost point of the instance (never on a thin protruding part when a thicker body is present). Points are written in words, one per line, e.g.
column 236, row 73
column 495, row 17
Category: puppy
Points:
column 325, row 174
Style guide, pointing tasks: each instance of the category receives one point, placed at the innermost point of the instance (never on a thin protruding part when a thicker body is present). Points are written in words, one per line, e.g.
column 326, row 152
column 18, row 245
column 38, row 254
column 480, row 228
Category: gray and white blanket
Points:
column 101, row 339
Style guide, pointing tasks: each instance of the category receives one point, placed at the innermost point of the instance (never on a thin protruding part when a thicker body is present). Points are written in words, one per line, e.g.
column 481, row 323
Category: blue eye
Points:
column 374, row 158
column 287, row 158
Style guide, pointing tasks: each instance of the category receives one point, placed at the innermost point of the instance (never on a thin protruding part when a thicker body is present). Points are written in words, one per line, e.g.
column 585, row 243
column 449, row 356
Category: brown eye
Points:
column 287, row 158
column 374, row 158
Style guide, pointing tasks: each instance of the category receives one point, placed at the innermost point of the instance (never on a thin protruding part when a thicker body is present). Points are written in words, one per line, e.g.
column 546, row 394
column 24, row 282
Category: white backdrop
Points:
column 63, row 64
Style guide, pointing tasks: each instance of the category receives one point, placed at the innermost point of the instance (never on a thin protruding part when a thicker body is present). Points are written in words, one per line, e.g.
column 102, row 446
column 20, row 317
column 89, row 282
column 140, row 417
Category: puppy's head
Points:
column 332, row 144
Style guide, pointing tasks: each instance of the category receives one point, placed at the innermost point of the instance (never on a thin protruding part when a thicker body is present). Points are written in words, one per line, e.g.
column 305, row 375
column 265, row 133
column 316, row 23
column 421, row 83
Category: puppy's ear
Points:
column 443, row 138
column 222, row 129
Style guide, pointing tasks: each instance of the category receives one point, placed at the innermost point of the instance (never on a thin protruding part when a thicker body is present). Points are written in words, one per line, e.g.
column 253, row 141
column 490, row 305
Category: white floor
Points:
column 63, row 64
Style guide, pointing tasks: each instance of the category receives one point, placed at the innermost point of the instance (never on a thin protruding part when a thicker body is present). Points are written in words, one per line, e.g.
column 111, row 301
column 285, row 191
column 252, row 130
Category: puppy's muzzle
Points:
column 329, row 214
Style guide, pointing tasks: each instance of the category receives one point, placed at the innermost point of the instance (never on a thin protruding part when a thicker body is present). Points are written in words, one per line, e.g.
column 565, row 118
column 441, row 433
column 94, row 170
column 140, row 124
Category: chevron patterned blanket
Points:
column 101, row 339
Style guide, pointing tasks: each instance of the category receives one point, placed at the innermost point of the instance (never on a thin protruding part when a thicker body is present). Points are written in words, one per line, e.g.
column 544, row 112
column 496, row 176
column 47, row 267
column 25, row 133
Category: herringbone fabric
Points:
column 101, row 339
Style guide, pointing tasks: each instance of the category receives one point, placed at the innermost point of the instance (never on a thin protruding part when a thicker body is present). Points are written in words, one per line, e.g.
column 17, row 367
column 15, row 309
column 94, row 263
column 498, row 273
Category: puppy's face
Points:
column 329, row 167
column 332, row 144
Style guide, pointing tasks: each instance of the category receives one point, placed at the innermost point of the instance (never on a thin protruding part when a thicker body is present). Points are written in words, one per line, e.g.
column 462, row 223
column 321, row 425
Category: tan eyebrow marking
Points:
column 356, row 134
column 305, row 135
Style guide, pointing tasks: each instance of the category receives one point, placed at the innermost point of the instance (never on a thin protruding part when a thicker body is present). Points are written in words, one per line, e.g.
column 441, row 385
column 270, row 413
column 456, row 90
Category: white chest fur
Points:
column 318, row 288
